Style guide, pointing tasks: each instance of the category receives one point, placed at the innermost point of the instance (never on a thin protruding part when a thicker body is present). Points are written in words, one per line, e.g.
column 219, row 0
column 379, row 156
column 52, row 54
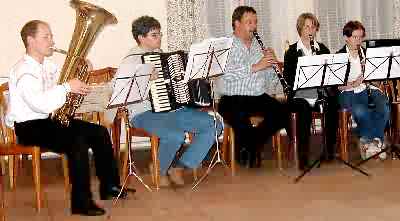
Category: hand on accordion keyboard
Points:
column 153, row 75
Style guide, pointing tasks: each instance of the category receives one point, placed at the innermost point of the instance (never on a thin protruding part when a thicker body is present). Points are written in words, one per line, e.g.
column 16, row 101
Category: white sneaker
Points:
column 372, row 149
column 363, row 148
column 381, row 146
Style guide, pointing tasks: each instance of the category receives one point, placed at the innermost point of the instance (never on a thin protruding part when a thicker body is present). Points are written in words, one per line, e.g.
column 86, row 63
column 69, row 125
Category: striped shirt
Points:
column 238, row 78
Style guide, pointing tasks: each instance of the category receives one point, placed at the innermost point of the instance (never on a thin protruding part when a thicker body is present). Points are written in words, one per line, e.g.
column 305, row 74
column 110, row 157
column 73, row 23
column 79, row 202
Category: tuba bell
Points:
column 90, row 19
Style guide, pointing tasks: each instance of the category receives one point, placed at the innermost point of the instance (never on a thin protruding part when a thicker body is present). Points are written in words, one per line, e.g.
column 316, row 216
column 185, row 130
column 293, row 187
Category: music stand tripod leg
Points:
column 324, row 150
column 217, row 155
column 132, row 168
column 214, row 161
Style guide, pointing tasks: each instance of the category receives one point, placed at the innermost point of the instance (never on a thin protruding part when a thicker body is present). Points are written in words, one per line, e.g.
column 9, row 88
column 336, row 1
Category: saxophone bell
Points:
column 89, row 20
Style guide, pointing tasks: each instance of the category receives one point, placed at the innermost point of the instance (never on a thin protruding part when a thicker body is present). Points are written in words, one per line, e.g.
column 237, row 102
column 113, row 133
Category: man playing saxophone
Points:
column 34, row 95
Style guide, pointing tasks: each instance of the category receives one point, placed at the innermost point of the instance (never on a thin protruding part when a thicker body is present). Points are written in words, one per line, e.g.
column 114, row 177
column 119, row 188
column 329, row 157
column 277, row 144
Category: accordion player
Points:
column 169, row 91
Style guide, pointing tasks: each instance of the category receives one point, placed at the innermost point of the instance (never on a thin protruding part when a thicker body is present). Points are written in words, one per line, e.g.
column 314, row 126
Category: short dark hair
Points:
column 143, row 25
column 351, row 26
column 30, row 29
column 238, row 13
column 301, row 20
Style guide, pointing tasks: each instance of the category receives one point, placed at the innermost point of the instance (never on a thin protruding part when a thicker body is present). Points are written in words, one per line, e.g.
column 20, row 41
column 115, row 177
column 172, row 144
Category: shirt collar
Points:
column 357, row 58
column 300, row 45
column 140, row 50
column 31, row 60
column 238, row 41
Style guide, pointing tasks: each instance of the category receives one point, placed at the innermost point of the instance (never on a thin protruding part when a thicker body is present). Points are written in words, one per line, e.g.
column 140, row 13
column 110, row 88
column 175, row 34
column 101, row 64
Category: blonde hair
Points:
column 301, row 20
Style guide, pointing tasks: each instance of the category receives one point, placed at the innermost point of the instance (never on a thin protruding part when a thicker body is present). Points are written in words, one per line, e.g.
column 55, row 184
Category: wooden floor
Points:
column 332, row 192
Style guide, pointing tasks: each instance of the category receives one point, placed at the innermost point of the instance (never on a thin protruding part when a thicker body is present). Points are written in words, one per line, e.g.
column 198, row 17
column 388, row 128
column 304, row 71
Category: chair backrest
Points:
column 6, row 134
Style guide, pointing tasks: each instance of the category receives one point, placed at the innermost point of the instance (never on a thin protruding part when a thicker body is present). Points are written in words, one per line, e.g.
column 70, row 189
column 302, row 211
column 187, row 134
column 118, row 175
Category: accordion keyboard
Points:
column 158, row 87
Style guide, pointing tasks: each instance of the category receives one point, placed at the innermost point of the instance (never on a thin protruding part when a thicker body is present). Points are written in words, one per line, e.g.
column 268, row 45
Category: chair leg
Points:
column 124, row 169
column 232, row 149
column 66, row 175
column 3, row 165
column 156, row 164
column 3, row 203
column 224, row 145
column 36, row 176
column 13, row 170
column 195, row 174
column 279, row 152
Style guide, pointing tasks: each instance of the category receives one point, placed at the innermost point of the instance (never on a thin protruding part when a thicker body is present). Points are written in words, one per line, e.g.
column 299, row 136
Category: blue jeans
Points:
column 170, row 127
column 371, row 122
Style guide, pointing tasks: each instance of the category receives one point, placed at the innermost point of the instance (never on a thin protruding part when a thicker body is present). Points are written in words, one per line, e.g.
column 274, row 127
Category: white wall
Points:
column 109, row 47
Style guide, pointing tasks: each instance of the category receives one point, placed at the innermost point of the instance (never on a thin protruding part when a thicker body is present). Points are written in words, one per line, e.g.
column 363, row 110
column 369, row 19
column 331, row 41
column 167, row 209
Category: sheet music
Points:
column 395, row 72
column 97, row 99
column 377, row 63
column 336, row 71
column 310, row 70
column 200, row 57
column 131, row 85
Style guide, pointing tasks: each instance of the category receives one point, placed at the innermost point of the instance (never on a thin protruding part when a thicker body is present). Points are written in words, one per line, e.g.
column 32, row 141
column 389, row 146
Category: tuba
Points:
column 90, row 19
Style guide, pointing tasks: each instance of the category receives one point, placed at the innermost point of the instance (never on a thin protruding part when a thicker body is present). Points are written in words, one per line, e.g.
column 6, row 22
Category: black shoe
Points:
column 110, row 193
column 255, row 159
column 89, row 210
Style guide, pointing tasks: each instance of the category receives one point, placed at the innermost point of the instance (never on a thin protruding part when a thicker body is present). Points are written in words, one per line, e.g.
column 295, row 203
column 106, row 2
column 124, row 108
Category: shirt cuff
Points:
column 67, row 87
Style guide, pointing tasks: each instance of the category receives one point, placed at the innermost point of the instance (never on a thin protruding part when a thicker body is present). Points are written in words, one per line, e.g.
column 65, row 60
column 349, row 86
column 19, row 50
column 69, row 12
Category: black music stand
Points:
column 382, row 64
column 316, row 72
column 131, row 86
column 207, row 60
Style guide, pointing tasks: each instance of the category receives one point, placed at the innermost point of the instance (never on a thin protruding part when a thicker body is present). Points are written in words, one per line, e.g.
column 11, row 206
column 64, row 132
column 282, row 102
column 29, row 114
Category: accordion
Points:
column 169, row 91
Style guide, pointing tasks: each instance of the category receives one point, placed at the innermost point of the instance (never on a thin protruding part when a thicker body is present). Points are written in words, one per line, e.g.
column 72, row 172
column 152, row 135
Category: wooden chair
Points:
column 227, row 143
column 9, row 147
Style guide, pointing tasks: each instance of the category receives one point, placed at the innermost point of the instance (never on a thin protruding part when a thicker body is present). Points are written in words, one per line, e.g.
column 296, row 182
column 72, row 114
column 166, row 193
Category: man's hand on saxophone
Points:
column 78, row 87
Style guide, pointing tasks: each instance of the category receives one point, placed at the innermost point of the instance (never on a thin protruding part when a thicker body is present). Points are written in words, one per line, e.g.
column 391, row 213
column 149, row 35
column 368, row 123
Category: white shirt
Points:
column 306, row 51
column 355, row 71
column 33, row 90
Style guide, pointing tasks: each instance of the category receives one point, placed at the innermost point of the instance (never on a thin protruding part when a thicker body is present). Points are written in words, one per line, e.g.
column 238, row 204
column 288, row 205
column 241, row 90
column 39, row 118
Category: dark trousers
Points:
column 331, row 124
column 237, row 109
column 75, row 141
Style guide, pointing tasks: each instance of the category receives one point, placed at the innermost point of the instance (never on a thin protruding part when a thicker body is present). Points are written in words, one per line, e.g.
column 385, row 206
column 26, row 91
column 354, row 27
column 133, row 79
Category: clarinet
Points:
column 362, row 63
column 321, row 98
column 362, row 60
column 312, row 45
column 286, row 88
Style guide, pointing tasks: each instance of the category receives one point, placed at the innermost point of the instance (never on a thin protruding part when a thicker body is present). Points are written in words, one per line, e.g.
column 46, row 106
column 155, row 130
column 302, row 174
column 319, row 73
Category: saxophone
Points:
column 90, row 19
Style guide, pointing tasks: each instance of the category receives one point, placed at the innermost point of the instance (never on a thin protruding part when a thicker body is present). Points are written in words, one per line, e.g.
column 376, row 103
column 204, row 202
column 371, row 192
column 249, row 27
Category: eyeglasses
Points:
column 357, row 37
column 155, row 34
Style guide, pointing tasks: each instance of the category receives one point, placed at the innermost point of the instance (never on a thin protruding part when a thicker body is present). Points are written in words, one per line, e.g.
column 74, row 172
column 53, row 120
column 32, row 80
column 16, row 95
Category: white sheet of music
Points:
column 336, row 70
column 395, row 72
column 310, row 69
column 199, row 58
column 377, row 63
column 97, row 99
column 131, row 84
